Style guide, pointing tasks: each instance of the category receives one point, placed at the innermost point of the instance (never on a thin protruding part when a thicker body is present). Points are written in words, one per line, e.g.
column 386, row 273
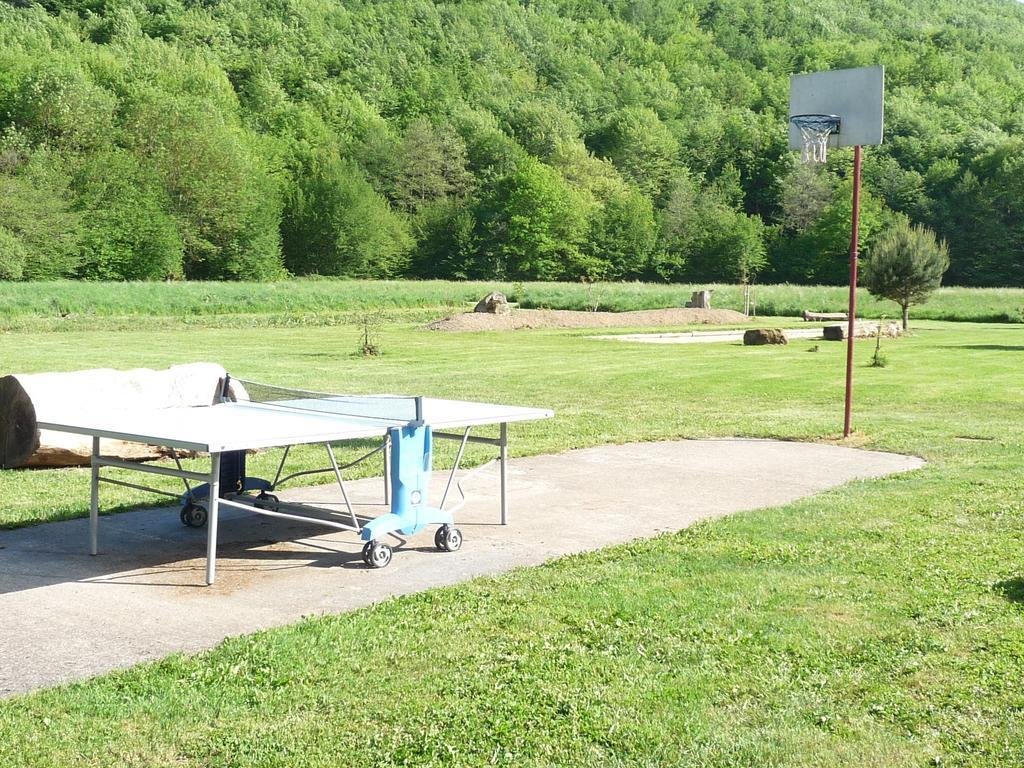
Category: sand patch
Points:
column 565, row 318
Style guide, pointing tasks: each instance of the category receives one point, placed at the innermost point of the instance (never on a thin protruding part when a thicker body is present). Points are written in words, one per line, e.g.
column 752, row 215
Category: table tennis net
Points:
column 392, row 408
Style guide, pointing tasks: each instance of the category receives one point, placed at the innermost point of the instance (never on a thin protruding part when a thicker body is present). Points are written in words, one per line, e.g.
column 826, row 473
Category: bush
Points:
column 906, row 264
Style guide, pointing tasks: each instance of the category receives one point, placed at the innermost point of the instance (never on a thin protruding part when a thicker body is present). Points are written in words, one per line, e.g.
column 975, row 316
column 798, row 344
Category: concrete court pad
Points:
column 706, row 337
column 67, row 615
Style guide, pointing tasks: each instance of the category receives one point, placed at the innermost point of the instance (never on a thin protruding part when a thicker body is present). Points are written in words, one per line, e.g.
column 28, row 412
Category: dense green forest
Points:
column 554, row 140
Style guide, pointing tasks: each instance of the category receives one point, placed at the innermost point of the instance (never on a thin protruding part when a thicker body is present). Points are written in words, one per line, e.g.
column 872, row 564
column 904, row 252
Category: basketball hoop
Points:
column 815, row 130
column 818, row 103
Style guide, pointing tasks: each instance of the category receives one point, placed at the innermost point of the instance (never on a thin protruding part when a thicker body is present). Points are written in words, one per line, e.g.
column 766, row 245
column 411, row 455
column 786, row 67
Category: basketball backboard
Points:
column 853, row 95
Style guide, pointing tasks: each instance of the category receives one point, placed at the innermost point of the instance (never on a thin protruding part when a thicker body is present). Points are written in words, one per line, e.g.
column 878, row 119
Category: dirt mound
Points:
column 565, row 318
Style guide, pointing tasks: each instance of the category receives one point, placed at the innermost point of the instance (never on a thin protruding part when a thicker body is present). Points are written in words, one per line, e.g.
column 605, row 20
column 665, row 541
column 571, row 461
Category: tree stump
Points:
column 699, row 300
column 19, row 437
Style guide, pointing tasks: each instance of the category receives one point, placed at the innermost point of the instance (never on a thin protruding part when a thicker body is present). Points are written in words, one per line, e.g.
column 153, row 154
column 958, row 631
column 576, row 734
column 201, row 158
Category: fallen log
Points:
column 19, row 437
column 26, row 399
column 823, row 316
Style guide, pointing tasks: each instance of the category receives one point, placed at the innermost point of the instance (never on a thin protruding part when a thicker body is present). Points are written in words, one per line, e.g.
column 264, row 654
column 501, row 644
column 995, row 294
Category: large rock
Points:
column 493, row 303
column 759, row 336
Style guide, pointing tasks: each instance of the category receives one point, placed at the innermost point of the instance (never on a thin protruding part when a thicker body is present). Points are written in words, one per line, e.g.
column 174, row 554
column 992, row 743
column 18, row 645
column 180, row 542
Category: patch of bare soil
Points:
column 565, row 318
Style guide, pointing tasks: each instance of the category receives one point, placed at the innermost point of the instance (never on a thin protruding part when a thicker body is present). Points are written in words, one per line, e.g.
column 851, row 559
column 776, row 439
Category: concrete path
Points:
column 67, row 616
column 705, row 337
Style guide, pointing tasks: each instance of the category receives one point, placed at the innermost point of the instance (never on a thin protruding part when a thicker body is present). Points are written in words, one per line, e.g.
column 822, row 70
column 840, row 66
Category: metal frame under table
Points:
column 447, row 411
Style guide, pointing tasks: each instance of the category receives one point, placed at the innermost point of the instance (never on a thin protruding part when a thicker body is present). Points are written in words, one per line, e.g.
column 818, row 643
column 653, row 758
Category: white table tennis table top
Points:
column 246, row 425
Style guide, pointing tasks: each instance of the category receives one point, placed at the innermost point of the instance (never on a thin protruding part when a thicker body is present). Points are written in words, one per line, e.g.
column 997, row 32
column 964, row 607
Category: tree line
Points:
column 584, row 140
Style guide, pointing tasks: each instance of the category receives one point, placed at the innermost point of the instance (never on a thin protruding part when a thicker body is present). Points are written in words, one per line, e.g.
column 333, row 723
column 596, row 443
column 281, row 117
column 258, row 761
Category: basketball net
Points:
column 815, row 130
column 815, row 145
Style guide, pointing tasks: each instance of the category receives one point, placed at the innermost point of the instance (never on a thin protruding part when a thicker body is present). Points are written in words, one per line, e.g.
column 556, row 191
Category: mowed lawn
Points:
column 880, row 624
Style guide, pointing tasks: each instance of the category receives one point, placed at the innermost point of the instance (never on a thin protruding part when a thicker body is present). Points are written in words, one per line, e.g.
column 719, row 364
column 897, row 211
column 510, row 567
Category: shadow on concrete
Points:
column 153, row 547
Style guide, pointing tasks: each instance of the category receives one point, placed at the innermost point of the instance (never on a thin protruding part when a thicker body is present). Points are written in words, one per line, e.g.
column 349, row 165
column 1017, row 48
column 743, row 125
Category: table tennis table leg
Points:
column 503, row 447
column 211, row 518
column 94, row 501
column 387, row 470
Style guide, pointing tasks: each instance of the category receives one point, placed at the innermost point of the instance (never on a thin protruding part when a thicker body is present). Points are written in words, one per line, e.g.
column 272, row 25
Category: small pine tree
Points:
column 906, row 264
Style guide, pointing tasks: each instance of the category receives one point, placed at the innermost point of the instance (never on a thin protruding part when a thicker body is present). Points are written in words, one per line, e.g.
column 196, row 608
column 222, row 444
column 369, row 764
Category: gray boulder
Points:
column 493, row 303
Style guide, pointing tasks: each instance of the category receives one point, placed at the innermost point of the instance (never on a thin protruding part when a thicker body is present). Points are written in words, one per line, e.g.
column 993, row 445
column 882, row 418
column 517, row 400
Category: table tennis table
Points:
column 284, row 418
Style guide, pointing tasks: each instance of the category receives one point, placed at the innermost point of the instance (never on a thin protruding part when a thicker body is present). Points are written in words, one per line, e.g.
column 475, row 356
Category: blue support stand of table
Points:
column 409, row 472
column 411, row 454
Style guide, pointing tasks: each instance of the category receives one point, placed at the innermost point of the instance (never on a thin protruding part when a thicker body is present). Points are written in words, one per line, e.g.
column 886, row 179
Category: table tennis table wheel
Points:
column 376, row 554
column 266, row 501
column 193, row 515
column 448, row 538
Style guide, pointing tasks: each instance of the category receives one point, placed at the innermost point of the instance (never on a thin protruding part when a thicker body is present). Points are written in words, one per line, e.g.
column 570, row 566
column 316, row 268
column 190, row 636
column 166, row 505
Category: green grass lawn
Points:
column 879, row 624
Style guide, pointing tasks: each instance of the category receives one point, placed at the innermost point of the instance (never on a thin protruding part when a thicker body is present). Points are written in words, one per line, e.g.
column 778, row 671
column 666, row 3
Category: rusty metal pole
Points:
column 854, row 243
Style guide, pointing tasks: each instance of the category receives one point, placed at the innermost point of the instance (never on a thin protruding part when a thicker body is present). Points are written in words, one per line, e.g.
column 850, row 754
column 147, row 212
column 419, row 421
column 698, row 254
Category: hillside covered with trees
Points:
column 555, row 140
